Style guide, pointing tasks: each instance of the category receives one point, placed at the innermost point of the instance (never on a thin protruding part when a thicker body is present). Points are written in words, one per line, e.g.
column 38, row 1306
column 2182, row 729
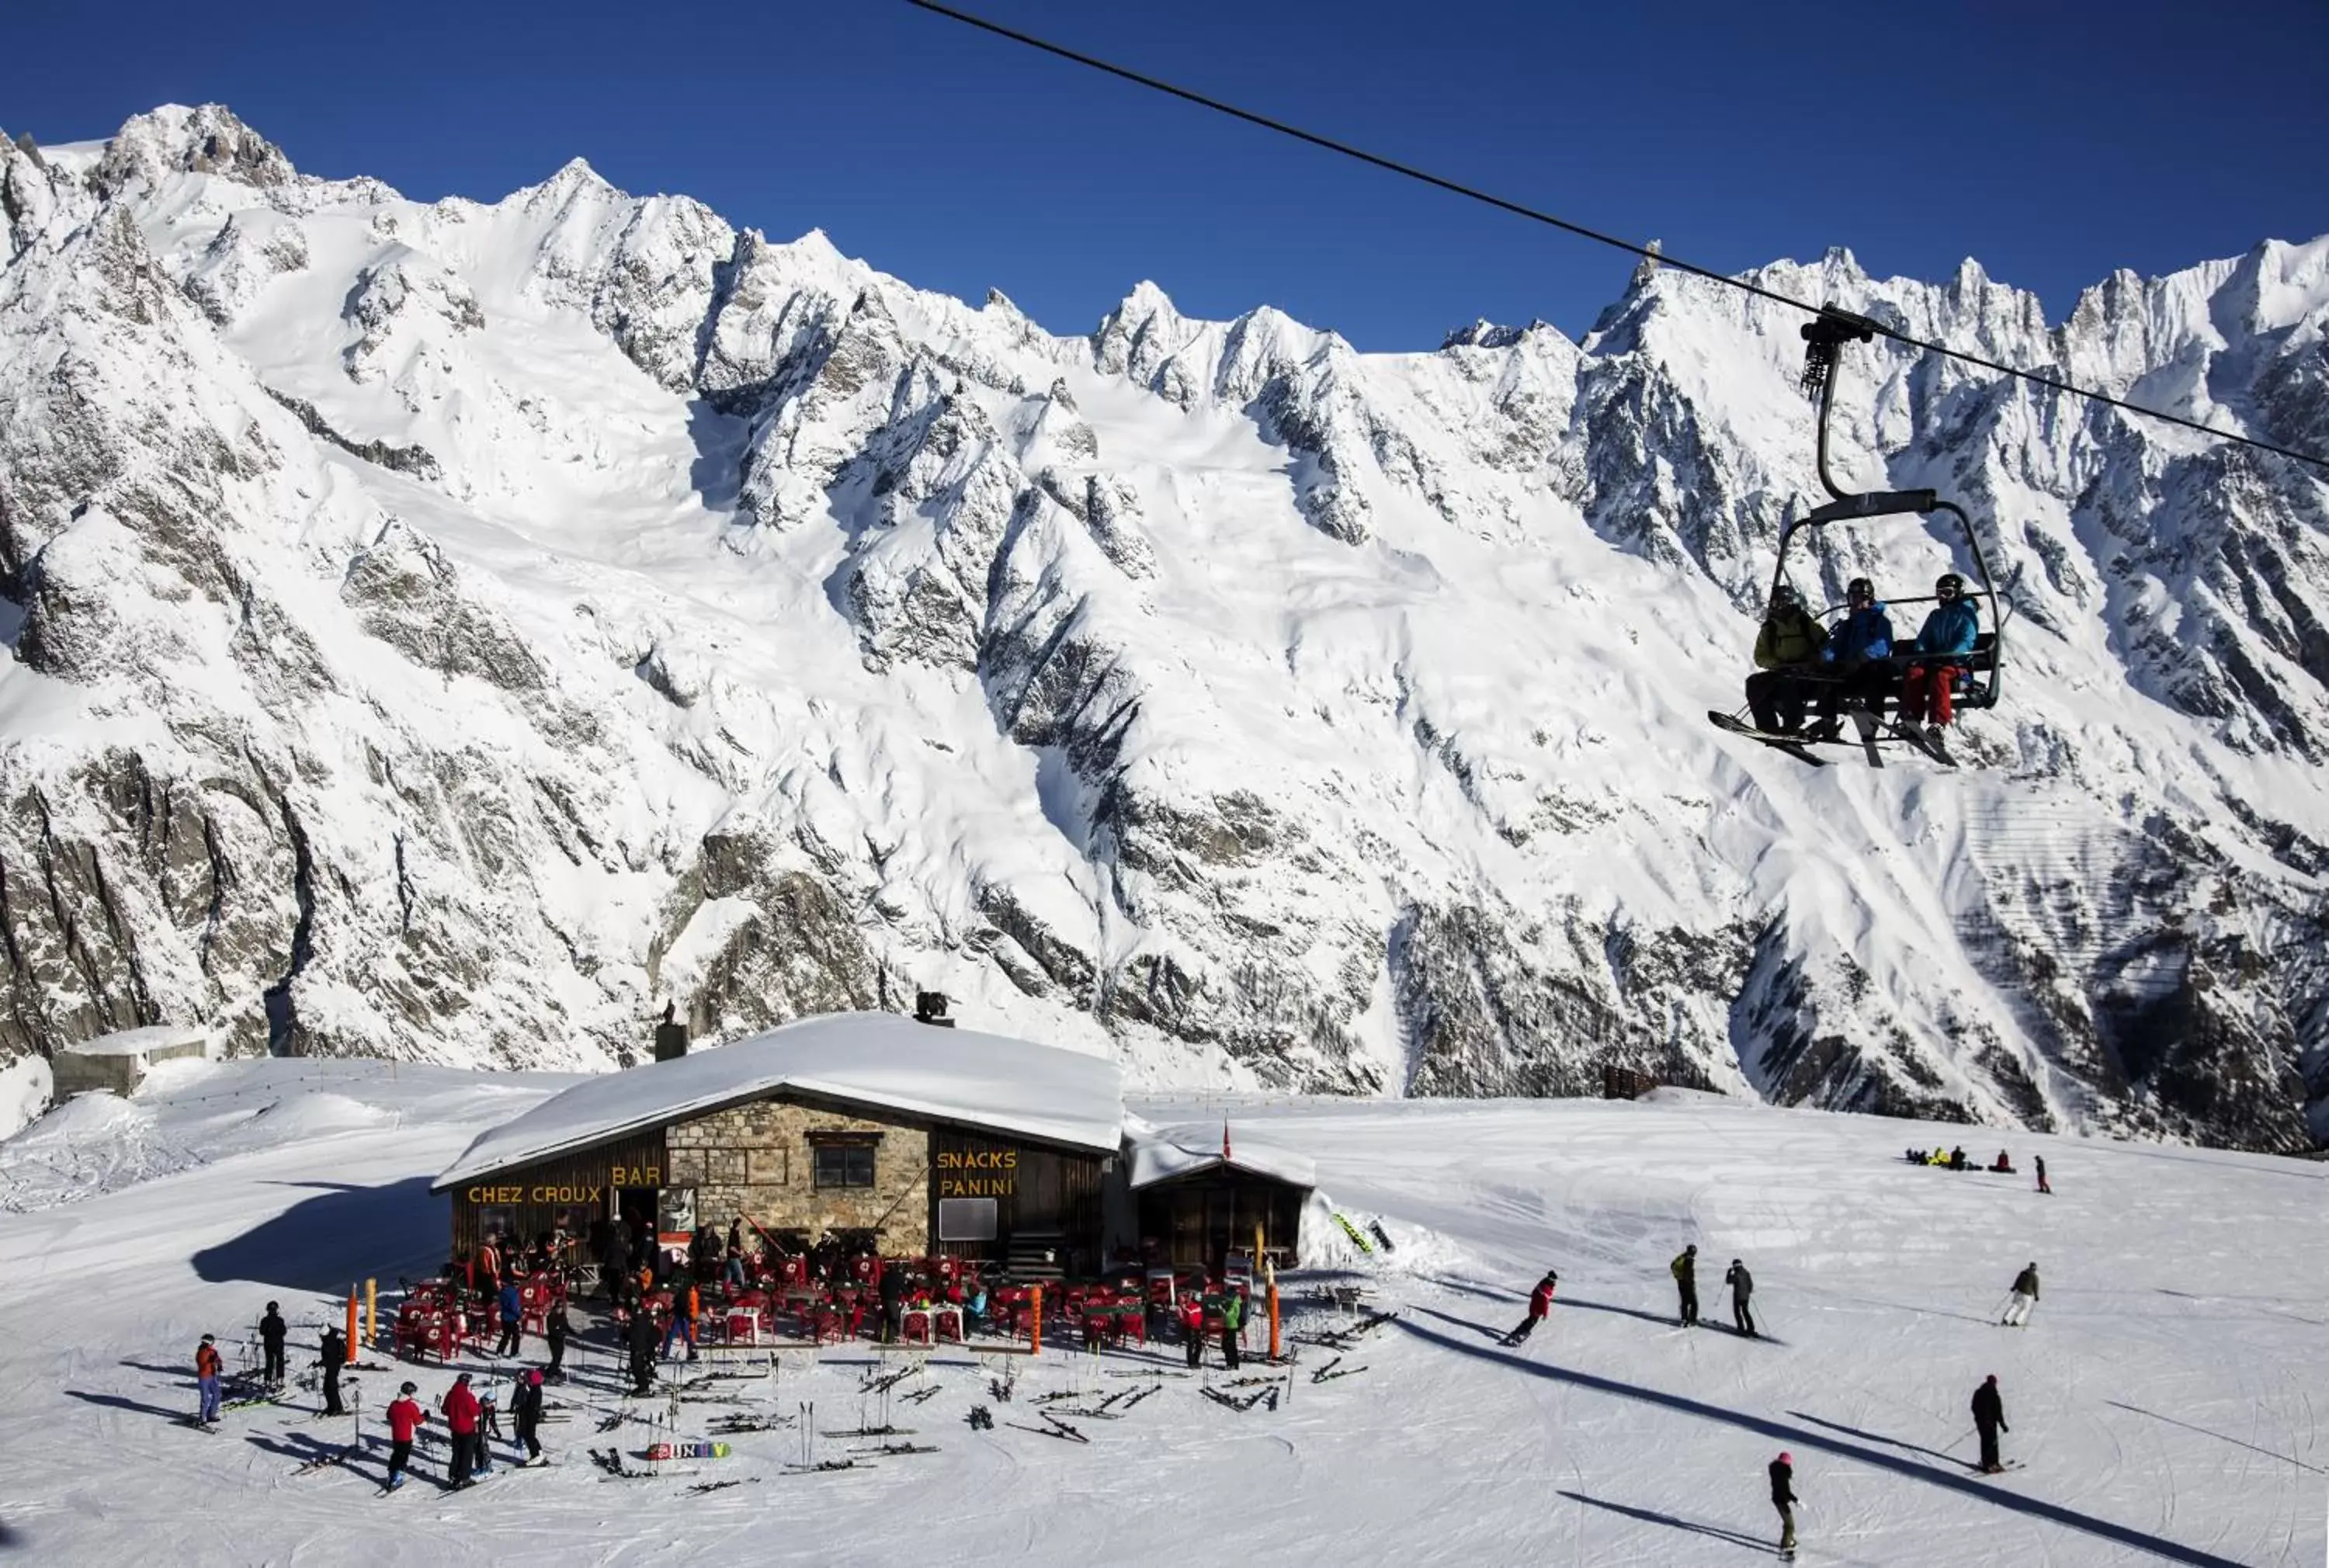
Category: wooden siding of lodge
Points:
column 571, row 1190
column 1037, row 1191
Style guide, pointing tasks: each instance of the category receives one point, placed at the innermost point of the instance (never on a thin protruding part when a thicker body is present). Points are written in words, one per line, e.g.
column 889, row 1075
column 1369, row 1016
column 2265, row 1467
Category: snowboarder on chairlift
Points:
column 2025, row 1296
column 1742, row 1286
column 1540, row 1308
column 1783, row 1497
column 1684, row 1269
column 1790, row 640
column 272, row 1332
column 1861, row 641
column 1947, row 637
column 1989, row 1419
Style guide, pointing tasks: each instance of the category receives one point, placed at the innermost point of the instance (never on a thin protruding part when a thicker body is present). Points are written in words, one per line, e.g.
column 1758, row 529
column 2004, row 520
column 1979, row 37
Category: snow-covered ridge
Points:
column 452, row 632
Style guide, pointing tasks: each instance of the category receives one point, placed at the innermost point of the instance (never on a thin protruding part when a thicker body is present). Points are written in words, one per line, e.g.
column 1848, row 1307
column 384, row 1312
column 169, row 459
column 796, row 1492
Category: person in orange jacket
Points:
column 461, row 1412
column 405, row 1417
column 208, row 1370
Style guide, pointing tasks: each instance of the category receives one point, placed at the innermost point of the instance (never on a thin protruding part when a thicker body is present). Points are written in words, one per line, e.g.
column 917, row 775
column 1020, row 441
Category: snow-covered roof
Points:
column 134, row 1042
column 958, row 1076
column 1161, row 1154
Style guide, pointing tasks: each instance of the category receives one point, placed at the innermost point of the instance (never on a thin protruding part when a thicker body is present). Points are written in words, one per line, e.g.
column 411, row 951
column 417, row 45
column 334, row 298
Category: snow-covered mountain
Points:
column 453, row 631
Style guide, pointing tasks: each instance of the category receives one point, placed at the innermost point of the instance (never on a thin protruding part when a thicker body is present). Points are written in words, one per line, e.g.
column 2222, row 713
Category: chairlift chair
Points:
column 1977, row 674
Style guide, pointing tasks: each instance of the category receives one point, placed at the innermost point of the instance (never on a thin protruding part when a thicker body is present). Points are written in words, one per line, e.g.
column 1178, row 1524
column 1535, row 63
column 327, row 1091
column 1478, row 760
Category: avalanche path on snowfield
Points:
column 2162, row 1397
column 453, row 631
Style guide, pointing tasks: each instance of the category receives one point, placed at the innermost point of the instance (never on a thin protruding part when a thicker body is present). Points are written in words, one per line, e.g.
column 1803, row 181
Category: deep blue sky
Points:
column 2054, row 142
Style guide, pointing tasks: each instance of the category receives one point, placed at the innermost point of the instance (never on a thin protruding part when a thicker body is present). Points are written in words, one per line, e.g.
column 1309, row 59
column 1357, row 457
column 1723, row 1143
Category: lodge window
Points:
column 837, row 1162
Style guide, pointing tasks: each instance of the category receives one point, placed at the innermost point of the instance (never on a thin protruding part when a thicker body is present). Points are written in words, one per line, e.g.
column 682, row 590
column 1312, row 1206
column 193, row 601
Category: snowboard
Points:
column 1791, row 745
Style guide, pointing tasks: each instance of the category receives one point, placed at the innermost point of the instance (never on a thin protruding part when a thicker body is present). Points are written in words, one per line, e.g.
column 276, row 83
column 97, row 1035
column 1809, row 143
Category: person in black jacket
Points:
column 1989, row 1419
column 554, row 1330
column 526, row 1405
column 335, row 1357
column 1742, row 1286
column 1684, row 1270
column 614, row 1265
column 272, row 1332
column 643, row 1350
column 893, row 1301
column 1783, row 1497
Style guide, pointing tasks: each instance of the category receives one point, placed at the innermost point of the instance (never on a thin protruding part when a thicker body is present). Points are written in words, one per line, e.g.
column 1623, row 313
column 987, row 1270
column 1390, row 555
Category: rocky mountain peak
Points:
column 209, row 140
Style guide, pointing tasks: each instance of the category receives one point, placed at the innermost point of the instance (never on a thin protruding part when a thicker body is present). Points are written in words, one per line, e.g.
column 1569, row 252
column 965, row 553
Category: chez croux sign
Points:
column 556, row 1192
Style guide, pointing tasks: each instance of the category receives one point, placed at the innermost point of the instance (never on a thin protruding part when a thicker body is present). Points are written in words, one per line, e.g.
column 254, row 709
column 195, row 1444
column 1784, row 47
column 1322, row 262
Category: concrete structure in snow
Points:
column 120, row 1061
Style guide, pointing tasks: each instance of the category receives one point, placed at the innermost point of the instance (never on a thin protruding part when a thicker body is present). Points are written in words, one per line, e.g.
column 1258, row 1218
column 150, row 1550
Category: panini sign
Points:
column 978, row 1172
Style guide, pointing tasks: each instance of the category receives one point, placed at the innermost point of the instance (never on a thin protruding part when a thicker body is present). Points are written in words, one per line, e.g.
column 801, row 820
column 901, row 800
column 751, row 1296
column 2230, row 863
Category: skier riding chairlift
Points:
column 1972, row 677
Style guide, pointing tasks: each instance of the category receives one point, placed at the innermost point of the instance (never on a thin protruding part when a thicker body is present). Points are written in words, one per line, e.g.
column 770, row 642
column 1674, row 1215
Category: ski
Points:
column 1792, row 745
column 1353, row 1232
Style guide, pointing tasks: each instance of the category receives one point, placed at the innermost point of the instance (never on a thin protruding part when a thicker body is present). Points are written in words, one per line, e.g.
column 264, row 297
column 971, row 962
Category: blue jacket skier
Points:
column 1947, row 635
column 1860, row 640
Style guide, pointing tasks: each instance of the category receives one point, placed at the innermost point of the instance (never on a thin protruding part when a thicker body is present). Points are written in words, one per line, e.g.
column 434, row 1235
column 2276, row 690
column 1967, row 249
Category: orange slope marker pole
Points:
column 352, row 1323
column 1035, row 1324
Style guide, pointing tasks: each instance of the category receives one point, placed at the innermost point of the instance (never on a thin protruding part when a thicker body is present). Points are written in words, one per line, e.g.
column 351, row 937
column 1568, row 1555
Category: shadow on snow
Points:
column 1985, row 1491
column 342, row 1236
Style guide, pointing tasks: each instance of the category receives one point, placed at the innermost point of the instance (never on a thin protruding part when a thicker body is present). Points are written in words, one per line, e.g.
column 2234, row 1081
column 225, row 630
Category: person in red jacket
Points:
column 1193, row 1328
column 1540, row 1308
column 404, row 1418
column 460, row 1408
column 208, row 1370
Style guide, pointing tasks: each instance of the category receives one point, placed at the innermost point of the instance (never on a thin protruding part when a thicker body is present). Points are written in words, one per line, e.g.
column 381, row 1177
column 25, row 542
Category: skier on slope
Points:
column 272, row 1331
column 404, row 1418
column 460, row 1407
column 1783, row 1497
column 2043, row 1186
column 1540, row 1308
column 208, row 1370
column 527, row 1407
column 1989, row 1419
column 2025, row 1296
column 1684, row 1269
column 335, row 1357
column 1742, row 1286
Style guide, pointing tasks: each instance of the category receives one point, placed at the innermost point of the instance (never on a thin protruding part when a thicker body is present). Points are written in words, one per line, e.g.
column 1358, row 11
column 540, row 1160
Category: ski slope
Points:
column 2162, row 1397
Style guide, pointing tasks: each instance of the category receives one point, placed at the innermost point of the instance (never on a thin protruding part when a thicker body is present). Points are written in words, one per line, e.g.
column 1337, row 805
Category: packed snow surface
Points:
column 957, row 1075
column 1172, row 1152
column 2161, row 1397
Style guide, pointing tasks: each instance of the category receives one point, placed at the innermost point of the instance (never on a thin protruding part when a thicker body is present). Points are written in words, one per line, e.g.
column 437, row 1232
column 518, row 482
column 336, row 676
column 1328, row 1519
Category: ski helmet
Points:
column 274, row 1306
column 1785, row 596
column 209, row 1338
column 410, row 1388
column 462, row 1378
column 1786, row 1459
column 534, row 1375
column 1691, row 1248
column 1860, row 588
column 1948, row 585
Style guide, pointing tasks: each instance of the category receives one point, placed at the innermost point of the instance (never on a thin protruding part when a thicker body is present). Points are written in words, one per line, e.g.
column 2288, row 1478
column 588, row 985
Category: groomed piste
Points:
column 2163, row 1401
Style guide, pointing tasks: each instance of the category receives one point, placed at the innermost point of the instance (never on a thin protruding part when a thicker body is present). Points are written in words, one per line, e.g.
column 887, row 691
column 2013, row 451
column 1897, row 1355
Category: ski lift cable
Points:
column 1649, row 253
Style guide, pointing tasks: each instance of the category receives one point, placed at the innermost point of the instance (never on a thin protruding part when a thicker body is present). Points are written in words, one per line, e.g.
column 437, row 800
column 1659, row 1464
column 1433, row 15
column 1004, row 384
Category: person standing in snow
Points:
column 1742, row 1286
column 1232, row 1327
column 208, row 1370
column 614, row 1265
column 1685, row 1272
column 1192, row 1328
column 1540, row 1308
column 527, row 1407
column 685, row 1303
column 488, row 1275
column 554, row 1330
column 892, row 1288
column 642, row 1349
column 1783, row 1497
column 335, row 1357
column 460, row 1408
column 512, row 1303
column 2042, row 1185
column 2025, row 1296
column 1989, row 1419
column 404, row 1418
column 272, row 1332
